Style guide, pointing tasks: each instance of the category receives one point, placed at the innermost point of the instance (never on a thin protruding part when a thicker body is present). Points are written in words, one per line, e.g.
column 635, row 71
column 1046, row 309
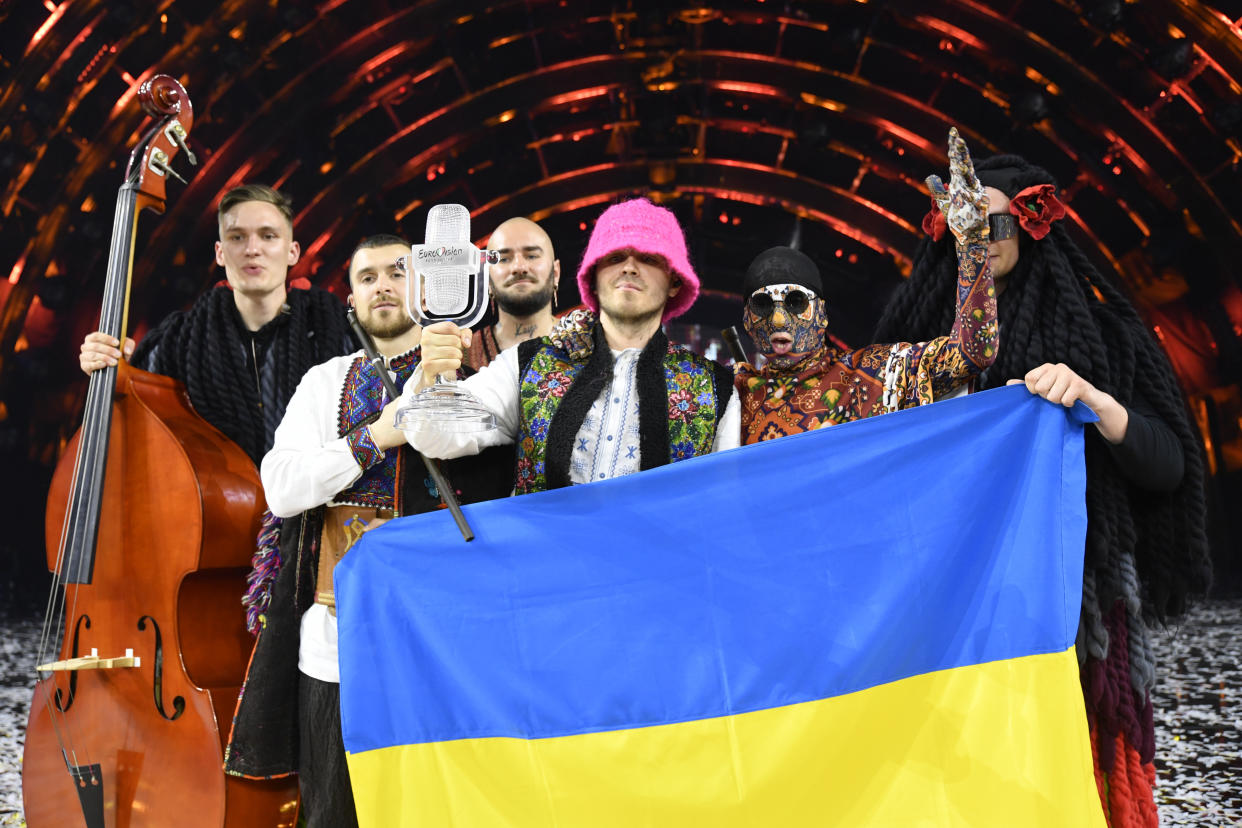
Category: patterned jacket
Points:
column 833, row 386
column 681, row 399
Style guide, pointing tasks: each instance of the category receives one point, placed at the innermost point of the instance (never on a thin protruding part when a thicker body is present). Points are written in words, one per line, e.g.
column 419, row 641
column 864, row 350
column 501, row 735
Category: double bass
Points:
column 151, row 521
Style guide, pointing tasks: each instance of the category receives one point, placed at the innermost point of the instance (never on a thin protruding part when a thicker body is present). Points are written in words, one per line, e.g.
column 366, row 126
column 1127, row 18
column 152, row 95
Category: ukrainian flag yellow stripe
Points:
column 996, row 744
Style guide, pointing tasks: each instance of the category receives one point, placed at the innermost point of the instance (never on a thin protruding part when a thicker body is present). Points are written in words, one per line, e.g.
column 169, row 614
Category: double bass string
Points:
column 76, row 538
column 95, row 415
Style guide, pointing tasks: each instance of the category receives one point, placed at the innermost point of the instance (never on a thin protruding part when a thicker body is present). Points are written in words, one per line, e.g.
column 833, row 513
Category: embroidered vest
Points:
column 362, row 397
column 681, row 397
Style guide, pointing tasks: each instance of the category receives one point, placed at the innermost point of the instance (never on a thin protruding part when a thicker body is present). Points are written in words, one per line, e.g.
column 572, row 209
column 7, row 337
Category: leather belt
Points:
column 342, row 526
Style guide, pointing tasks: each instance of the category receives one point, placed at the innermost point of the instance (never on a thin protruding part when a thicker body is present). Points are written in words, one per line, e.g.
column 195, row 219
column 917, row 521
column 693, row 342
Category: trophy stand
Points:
column 447, row 282
column 445, row 407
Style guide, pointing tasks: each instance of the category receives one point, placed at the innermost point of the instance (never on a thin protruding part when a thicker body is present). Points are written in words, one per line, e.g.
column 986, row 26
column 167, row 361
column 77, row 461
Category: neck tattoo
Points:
column 525, row 330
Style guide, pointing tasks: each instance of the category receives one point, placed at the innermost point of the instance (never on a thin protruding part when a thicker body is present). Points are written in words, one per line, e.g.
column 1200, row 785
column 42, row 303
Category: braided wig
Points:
column 1056, row 307
column 204, row 347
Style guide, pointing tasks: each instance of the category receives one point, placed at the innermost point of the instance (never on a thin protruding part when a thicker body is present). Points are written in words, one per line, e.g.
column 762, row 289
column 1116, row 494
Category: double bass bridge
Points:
column 91, row 662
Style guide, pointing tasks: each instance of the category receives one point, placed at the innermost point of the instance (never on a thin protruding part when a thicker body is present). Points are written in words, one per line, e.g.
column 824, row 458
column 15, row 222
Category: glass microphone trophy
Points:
column 446, row 282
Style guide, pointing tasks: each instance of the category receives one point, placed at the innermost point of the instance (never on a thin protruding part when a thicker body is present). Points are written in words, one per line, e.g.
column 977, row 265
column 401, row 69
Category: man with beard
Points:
column 807, row 383
column 523, row 284
column 336, row 469
column 600, row 396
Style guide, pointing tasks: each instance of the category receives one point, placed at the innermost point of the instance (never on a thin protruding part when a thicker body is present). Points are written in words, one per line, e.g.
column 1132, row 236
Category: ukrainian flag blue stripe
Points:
column 792, row 571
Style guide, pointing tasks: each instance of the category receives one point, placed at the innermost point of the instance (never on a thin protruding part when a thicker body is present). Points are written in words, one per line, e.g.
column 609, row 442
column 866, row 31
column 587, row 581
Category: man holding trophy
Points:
column 337, row 468
column 604, row 394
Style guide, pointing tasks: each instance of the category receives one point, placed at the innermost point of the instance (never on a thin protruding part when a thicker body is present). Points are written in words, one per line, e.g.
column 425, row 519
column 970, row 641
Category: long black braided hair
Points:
column 1056, row 307
column 206, row 349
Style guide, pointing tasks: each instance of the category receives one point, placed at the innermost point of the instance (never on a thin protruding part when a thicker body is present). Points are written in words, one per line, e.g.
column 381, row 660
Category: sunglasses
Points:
column 762, row 304
column 1002, row 226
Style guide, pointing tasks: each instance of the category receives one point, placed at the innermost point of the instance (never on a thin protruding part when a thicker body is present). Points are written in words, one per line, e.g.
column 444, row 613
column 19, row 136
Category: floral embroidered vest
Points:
column 362, row 398
column 681, row 399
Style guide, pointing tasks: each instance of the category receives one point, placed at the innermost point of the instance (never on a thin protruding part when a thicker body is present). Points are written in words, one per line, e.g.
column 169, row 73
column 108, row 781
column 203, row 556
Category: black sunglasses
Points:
column 1002, row 226
column 795, row 301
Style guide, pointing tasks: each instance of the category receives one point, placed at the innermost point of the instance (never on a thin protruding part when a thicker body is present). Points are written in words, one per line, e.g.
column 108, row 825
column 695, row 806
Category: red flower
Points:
column 934, row 223
column 555, row 384
column 680, row 405
column 1036, row 208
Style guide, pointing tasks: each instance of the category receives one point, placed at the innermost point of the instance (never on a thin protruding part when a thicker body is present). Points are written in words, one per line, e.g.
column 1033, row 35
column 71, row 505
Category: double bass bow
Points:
column 151, row 520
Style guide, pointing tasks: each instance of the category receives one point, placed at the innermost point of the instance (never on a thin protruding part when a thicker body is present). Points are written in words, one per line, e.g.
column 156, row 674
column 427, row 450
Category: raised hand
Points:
column 965, row 203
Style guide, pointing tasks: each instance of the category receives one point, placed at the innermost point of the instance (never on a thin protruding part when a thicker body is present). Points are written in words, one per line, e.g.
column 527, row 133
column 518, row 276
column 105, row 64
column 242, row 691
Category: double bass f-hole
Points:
column 64, row 703
column 157, row 673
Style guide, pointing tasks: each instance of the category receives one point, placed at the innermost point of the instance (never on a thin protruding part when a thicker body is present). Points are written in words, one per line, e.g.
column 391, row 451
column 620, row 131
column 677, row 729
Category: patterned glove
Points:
column 965, row 203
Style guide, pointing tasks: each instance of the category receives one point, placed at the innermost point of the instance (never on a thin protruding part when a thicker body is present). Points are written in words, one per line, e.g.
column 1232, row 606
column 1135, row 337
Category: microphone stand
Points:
column 443, row 486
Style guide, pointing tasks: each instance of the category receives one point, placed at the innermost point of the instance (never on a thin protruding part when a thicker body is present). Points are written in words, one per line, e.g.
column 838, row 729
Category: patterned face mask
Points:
column 804, row 319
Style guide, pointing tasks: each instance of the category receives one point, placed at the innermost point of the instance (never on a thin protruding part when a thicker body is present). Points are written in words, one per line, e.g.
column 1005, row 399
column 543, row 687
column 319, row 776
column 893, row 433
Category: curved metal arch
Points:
column 111, row 140
column 401, row 156
column 870, row 102
column 878, row 228
column 844, row 212
column 261, row 132
column 1108, row 112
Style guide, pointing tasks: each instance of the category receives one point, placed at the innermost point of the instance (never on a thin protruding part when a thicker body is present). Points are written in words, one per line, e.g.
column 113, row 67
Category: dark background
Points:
column 757, row 122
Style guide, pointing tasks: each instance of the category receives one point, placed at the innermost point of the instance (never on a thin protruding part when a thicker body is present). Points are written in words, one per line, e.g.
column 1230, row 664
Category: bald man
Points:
column 523, row 284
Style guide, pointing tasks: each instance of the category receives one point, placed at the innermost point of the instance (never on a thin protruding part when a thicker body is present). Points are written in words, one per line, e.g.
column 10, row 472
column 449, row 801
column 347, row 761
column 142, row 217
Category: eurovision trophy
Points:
column 447, row 282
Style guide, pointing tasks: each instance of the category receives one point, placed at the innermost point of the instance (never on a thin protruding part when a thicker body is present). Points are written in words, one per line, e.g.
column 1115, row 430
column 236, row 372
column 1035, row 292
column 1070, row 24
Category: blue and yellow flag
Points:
column 871, row 624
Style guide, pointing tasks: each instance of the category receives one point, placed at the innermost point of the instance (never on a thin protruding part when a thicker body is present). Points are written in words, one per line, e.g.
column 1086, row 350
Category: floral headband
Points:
column 1035, row 208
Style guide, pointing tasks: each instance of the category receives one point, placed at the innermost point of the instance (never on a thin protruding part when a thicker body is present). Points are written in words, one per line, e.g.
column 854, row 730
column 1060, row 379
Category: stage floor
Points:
column 1198, row 716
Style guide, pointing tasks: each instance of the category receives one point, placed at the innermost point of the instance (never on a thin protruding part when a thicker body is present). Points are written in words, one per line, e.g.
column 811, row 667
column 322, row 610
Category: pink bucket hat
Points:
column 648, row 229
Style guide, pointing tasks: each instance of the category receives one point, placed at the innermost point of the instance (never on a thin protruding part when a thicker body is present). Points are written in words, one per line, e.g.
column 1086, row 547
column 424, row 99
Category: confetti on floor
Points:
column 1198, row 717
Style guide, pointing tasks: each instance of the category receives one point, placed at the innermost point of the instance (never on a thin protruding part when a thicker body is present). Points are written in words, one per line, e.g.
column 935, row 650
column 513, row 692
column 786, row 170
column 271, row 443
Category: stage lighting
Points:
column 40, row 109
column 294, row 16
column 12, row 157
column 1172, row 60
column 1030, row 108
column 815, row 135
column 1104, row 14
column 1228, row 118
column 845, row 41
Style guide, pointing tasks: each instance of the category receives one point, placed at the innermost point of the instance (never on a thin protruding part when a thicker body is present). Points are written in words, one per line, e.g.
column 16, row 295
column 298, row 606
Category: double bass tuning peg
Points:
column 177, row 133
column 159, row 163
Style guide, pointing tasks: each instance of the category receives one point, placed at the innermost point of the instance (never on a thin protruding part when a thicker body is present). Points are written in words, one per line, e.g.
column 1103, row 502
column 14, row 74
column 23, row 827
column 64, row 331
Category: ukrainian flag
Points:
column 871, row 624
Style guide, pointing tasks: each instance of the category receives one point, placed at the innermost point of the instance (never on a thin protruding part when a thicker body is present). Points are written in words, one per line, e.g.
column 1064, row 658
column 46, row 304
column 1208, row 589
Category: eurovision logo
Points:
column 440, row 252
